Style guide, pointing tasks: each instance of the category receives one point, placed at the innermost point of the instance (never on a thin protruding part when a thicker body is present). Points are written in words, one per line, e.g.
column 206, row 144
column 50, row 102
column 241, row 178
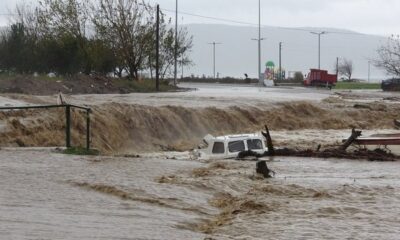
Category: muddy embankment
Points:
column 120, row 128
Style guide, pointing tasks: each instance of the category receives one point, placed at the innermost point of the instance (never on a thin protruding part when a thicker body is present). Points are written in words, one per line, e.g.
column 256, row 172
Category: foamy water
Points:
column 317, row 199
column 39, row 198
column 45, row 195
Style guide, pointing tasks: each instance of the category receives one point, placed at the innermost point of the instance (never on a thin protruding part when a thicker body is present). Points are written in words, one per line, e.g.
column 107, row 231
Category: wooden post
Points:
column 68, row 126
column 88, row 129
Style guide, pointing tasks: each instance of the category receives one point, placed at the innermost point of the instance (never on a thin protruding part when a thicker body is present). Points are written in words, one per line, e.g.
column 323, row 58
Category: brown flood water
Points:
column 45, row 195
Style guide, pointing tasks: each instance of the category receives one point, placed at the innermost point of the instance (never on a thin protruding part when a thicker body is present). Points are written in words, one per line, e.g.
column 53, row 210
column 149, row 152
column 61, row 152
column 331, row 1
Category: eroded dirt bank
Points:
column 124, row 128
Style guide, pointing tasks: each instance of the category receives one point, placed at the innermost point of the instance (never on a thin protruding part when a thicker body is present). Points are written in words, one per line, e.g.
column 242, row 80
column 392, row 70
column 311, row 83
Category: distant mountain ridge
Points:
column 238, row 53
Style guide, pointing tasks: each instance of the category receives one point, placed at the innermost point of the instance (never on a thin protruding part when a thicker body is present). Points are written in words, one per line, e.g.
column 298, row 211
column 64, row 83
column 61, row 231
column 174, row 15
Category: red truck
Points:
column 320, row 78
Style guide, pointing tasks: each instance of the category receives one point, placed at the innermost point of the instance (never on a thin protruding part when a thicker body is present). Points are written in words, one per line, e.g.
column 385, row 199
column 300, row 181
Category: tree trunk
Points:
column 354, row 135
column 270, row 145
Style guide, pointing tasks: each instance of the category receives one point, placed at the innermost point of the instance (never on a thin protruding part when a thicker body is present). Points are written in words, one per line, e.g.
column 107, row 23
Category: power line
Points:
column 254, row 24
column 212, row 18
column 237, row 22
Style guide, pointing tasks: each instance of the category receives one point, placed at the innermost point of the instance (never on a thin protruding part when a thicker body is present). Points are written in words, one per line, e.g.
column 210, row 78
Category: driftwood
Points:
column 262, row 168
column 396, row 124
column 354, row 135
column 340, row 152
column 270, row 145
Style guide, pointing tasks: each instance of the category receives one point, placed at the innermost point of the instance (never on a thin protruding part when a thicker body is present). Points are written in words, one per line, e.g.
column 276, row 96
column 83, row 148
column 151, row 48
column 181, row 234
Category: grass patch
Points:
column 357, row 85
column 144, row 86
column 81, row 151
column 42, row 77
column 4, row 74
column 42, row 84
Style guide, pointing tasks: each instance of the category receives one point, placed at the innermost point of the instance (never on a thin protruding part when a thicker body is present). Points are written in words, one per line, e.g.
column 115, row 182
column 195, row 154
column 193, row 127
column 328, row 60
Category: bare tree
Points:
column 59, row 17
column 65, row 18
column 185, row 44
column 167, row 49
column 346, row 68
column 127, row 26
column 26, row 15
column 95, row 36
column 389, row 56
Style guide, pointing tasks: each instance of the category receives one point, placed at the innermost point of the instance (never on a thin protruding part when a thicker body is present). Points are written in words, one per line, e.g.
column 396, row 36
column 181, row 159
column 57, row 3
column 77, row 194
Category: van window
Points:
column 218, row 148
column 236, row 146
column 254, row 144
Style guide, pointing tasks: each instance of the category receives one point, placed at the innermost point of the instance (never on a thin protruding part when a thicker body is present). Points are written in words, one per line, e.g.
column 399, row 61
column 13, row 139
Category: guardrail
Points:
column 67, row 119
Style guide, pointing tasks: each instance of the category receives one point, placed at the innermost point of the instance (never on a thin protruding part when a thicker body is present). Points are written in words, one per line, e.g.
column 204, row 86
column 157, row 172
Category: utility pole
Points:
column 280, row 61
column 214, row 43
column 182, row 66
column 369, row 71
column 158, row 48
column 176, row 45
column 259, row 39
column 261, row 81
column 337, row 66
column 319, row 46
column 183, row 57
column 259, row 42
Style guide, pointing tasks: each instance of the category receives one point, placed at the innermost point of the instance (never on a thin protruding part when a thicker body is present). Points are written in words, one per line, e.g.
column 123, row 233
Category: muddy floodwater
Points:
column 203, row 95
column 45, row 195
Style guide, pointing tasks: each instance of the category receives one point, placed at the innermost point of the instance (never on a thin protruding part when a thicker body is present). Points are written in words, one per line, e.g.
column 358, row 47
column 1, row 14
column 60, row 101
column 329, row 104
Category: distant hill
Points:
column 238, row 53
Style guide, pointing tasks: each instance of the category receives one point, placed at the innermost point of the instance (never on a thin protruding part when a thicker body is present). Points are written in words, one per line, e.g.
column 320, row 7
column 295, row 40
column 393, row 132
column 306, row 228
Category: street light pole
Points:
column 337, row 66
column 214, row 44
column 158, row 48
column 319, row 46
column 259, row 39
column 369, row 71
column 176, row 45
column 280, row 61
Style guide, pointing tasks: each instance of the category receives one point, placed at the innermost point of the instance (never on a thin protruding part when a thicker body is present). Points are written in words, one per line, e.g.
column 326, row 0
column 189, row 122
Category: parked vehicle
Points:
column 391, row 84
column 226, row 147
column 320, row 78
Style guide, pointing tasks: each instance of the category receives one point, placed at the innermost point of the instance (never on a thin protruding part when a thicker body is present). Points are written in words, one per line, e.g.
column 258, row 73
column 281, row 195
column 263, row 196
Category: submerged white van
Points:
column 225, row 147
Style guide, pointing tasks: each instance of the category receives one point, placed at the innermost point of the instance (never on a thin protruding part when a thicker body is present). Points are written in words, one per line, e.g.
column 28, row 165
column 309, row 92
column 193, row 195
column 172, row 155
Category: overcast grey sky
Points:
column 367, row 16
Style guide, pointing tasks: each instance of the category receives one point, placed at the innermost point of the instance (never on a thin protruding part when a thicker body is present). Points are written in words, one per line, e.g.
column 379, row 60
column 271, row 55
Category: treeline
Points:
column 67, row 37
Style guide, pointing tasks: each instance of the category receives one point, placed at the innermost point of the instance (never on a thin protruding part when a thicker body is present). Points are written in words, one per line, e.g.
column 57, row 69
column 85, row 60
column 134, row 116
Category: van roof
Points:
column 237, row 137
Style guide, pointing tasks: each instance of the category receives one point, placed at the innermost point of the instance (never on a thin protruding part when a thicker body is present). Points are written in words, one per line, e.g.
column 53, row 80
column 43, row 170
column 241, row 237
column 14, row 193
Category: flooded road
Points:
column 46, row 195
column 204, row 95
